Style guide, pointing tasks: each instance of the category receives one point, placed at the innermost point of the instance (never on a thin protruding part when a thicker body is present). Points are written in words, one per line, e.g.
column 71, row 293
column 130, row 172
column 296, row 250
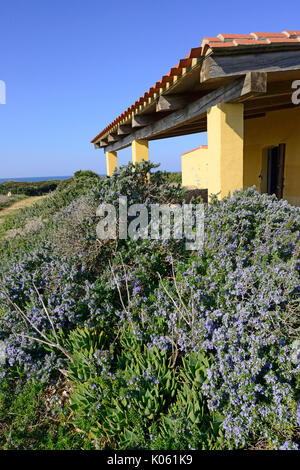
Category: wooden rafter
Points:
column 245, row 86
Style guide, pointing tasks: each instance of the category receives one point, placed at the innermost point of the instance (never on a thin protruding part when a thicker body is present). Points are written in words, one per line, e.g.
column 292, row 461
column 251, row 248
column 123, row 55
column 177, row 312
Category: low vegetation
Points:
column 27, row 188
column 141, row 344
column 7, row 201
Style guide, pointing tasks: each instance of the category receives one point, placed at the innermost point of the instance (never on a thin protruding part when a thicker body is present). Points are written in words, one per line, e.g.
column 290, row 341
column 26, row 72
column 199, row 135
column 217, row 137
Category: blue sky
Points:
column 72, row 66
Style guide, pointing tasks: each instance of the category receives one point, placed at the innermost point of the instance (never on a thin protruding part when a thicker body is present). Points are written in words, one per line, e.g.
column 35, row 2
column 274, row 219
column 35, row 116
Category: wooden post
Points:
column 140, row 151
column 111, row 162
column 225, row 132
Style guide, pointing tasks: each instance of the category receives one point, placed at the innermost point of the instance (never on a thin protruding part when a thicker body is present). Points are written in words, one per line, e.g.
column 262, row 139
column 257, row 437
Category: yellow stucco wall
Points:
column 194, row 166
column 225, row 133
column 140, row 151
column 277, row 127
column 220, row 167
column 237, row 150
column 111, row 163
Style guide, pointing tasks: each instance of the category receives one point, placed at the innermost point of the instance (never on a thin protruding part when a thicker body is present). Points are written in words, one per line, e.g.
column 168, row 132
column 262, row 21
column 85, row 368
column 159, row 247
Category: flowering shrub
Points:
column 238, row 300
column 73, row 295
column 234, row 307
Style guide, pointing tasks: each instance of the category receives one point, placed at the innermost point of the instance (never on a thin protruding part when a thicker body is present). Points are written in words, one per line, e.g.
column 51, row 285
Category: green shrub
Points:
column 130, row 396
column 66, row 192
column 26, row 422
column 168, row 176
column 29, row 188
column 169, row 349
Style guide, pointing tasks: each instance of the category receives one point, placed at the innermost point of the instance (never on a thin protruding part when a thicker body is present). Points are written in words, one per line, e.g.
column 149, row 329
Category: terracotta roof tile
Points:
column 268, row 35
column 292, row 33
column 176, row 71
column 222, row 41
column 197, row 148
column 224, row 37
column 206, row 40
column 213, row 45
column 167, row 78
column 282, row 41
column 184, row 63
column 195, row 53
column 252, row 41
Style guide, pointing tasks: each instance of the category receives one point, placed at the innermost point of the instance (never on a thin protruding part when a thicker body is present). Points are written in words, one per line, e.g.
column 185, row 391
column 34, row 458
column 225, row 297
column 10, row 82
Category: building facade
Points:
column 262, row 152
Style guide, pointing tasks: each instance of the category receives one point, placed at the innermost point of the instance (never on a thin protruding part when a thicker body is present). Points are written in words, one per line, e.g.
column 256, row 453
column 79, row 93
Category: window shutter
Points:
column 280, row 170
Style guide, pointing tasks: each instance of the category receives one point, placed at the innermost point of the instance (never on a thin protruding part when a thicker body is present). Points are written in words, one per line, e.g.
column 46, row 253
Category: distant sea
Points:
column 35, row 178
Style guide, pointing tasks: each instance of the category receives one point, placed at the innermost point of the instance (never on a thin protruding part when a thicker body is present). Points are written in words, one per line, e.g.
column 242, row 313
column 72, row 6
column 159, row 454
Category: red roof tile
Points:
column 197, row 148
column 268, row 35
column 176, row 71
column 195, row 53
column 252, row 41
column 234, row 36
column 222, row 41
column 213, row 45
column 284, row 41
column 184, row 63
column 292, row 33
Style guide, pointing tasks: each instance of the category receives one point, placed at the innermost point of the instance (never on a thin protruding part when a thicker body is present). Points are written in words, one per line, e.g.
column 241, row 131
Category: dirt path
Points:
column 19, row 205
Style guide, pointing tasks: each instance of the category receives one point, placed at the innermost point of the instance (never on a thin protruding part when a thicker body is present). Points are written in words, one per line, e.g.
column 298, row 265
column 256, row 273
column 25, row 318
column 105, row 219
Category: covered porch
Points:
column 241, row 94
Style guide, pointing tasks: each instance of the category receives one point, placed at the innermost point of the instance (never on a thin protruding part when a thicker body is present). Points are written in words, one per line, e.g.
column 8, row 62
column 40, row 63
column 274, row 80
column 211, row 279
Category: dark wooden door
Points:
column 276, row 163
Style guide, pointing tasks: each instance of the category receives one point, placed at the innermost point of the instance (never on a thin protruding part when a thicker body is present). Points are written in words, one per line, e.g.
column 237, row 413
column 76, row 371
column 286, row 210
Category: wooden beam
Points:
column 141, row 120
column 172, row 102
column 180, row 133
column 124, row 129
column 113, row 138
column 266, row 102
column 255, row 116
column 236, row 89
column 277, row 89
column 255, row 83
column 102, row 143
column 217, row 66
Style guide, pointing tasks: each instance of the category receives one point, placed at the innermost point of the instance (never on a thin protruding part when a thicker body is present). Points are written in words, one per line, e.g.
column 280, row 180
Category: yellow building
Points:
column 194, row 165
column 264, row 151
column 244, row 90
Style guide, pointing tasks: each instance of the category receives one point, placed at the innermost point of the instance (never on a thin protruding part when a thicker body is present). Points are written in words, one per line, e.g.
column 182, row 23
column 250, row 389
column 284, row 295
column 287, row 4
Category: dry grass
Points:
column 19, row 205
column 69, row 238
column 3, row 199
column 31, row 226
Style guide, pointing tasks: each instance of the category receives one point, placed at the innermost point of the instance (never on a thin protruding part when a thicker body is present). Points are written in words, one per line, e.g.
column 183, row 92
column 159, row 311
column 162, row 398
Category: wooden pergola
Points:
column 257, row 72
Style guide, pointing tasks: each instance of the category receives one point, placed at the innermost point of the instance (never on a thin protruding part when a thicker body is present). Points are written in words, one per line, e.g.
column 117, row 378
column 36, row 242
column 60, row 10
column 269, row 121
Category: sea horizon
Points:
column 33, row 179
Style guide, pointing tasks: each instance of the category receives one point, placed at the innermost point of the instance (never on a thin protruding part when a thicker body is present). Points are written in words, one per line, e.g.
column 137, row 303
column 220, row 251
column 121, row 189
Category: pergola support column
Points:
column 111, row 163
column 225, row 129
column 140, row 151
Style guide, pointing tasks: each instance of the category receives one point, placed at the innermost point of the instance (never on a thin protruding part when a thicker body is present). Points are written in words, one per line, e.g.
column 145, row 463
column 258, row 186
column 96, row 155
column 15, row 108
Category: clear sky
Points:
column 72, row 66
